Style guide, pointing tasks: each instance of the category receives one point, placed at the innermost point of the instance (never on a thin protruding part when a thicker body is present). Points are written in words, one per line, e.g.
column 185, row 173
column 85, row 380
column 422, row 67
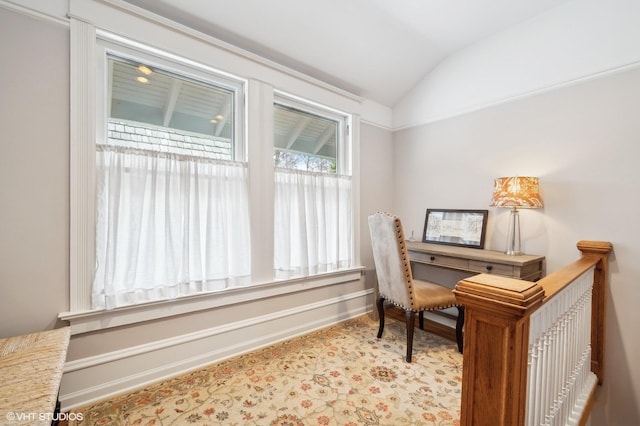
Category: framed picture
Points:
column 464, row 228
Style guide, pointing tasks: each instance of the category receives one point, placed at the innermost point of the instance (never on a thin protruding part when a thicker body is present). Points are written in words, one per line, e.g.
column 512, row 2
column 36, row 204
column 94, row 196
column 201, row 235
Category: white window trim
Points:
column 83, row 129
column 82, row 164
column 83, row 322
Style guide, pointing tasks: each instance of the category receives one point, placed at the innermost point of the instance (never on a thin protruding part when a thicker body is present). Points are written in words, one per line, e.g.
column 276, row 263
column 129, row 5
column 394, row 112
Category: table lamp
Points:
column 516, row 192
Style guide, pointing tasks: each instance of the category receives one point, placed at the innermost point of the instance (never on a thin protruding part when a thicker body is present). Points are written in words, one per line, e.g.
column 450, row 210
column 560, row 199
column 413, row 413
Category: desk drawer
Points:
column 491, row 268
column 437, row 260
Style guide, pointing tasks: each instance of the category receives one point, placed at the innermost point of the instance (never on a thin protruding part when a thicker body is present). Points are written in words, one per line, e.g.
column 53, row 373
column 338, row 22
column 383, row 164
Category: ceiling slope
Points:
column 377, row 49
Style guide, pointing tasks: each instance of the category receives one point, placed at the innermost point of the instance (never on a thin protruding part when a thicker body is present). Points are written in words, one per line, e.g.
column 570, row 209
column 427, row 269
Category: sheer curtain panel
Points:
column 167, row 226
column 313, row 223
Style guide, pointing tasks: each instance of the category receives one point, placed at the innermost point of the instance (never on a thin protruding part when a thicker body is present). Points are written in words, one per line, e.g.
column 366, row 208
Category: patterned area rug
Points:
column 341, row 375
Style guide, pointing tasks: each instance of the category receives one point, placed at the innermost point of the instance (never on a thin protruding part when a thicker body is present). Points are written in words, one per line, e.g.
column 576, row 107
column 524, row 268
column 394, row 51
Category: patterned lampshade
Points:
column 519, row 192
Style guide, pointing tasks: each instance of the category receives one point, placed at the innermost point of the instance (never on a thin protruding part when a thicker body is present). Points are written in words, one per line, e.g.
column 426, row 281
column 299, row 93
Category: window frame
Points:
column 108, row 45
column 344, row 141
column 90, row 49
column 86, row 27
column 344, row 161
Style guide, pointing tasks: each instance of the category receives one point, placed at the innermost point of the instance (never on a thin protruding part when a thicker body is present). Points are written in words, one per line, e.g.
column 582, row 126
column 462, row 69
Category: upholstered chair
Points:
column 396, row 283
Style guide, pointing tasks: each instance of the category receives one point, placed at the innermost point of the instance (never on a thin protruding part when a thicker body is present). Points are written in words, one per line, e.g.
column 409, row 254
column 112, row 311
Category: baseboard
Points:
column 96, row 378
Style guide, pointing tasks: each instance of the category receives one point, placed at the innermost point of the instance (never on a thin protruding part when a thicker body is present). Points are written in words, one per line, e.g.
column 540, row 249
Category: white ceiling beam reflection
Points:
column 322, row 140
column 110, row 89
column 170, row 105
column 297, row 131
column 225, row 117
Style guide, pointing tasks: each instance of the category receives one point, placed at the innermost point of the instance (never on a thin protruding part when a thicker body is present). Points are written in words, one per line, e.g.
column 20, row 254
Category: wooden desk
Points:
column 525, row 267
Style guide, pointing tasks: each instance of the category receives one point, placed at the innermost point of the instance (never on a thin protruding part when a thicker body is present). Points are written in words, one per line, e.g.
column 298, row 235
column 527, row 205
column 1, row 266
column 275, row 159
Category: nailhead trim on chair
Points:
column 417, row 310
column 407, row 269
column 403, row 249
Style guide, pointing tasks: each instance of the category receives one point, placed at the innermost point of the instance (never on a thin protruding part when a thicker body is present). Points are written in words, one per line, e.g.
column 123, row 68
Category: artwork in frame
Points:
column 465, row 228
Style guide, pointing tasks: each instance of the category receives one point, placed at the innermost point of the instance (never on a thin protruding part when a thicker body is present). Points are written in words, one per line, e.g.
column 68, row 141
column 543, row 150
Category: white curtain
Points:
column 168, row 226
column 313, row 223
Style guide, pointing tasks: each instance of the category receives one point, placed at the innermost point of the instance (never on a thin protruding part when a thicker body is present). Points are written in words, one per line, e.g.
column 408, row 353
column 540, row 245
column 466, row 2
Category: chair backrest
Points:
column 393, row 268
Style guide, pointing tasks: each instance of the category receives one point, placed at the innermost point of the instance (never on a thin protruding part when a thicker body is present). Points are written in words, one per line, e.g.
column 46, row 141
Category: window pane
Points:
column 171, row 219
column 304, row 141
column 152, row 109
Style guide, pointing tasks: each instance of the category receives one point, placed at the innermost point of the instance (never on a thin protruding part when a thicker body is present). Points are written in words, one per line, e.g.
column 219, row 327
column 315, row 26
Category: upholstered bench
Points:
column 30, row 372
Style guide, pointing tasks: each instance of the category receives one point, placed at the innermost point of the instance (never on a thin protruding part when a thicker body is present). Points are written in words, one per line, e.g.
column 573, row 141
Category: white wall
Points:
column 582, row 141
column 376, row 193
column 34, row 173
column 576, row 40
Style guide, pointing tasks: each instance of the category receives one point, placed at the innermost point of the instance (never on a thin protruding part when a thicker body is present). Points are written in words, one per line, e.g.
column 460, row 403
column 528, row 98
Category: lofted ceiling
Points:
column 378, row 49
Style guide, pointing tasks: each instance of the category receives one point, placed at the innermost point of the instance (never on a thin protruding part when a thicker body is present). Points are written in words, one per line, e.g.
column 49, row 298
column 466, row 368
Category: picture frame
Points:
column 464, row 228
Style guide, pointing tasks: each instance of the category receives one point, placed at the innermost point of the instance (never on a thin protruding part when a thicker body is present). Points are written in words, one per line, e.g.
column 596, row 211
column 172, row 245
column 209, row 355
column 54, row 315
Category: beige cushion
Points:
column 430, row 296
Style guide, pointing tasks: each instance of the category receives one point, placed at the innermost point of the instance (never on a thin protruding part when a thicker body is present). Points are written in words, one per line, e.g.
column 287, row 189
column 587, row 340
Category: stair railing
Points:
column 534, row 351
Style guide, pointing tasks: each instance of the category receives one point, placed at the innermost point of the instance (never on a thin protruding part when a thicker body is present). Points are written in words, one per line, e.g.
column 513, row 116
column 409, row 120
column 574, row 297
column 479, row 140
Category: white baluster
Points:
column 559, row 376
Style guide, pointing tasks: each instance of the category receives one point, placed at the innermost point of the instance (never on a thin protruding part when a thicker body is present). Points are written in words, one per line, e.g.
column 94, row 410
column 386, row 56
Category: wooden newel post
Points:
column 601, row 250
column 497, row 311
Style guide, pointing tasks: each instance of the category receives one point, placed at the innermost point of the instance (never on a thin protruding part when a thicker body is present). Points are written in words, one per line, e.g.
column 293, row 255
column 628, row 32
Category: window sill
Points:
column 84, row 322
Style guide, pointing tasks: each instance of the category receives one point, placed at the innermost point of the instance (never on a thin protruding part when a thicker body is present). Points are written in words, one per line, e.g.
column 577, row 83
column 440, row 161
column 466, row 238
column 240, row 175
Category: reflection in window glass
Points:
column 152, row 109
column 304, row 141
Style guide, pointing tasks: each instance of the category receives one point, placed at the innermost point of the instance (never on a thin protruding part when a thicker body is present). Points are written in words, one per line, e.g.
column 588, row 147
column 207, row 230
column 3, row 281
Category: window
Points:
column 169, row 197
column 172, row 208
column 313, row 189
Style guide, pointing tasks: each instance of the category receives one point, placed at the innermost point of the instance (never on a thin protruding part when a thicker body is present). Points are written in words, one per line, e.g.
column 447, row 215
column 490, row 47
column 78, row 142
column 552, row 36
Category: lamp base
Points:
column 513, row 237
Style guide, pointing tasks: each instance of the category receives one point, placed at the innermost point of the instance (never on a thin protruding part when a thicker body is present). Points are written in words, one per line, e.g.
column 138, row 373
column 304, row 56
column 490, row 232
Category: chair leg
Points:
column 380, row 304
column 459, row 325
column 411, row 323
column 421, row 320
